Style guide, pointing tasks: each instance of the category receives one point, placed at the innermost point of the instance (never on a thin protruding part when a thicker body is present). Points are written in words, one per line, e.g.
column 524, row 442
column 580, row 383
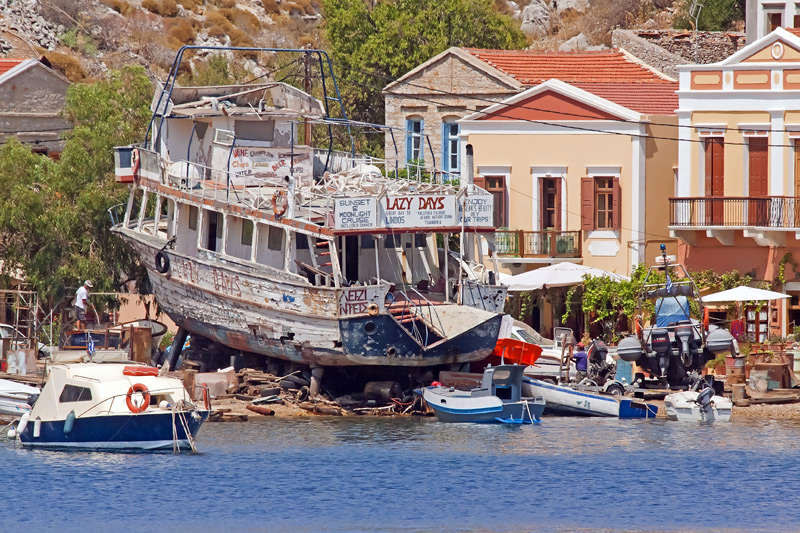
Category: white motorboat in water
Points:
column 564, row 400
column 112, row 406
column 16, row 399
column 498, row 399
column 703, row 406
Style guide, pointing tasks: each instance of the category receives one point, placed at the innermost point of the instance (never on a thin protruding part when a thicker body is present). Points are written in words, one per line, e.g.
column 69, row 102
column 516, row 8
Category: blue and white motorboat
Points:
column 564, row 400
column 16, row 398
column 497, row 400
column 112, row 406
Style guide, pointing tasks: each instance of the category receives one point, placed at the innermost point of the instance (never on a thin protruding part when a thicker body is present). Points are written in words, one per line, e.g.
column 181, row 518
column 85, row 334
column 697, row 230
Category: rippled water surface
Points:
column 370, row 474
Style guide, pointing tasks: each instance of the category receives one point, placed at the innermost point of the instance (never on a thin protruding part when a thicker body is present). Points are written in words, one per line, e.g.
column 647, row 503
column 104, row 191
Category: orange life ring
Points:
column 138, row 387
column 706, row 319
column 135, row 160
column 206, row 396
column 279, row 203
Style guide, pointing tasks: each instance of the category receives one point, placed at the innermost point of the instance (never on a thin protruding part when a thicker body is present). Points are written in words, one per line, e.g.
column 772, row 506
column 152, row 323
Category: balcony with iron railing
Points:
column 522, row 244
column 771, row 212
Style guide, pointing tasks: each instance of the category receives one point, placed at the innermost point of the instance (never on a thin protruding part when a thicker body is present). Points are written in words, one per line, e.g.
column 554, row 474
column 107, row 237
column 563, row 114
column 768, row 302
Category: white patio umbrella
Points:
column 744, row 294
column 558, row 275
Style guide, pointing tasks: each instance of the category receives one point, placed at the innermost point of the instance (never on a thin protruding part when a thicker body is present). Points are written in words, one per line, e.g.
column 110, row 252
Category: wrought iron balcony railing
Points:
column 521, row 243
column 764, row 212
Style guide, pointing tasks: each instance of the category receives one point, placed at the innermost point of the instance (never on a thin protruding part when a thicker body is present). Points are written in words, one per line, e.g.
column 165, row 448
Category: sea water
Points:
column 416, row 474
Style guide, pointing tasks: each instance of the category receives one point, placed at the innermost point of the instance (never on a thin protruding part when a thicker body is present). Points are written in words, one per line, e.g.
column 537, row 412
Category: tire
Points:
column 162, row 262
column 289, row 385
column 303, row 393
column 272, row 391
column 615, row 389
column 297, row 380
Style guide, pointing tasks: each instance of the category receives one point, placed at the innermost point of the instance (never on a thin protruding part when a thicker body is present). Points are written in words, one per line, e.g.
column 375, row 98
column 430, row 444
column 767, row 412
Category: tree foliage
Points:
column 53, row 218
column 373, row 43
column 715, row 15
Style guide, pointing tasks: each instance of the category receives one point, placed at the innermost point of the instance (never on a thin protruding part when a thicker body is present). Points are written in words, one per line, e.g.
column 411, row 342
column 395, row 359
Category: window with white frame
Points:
column 414, row 132
column 450, row 146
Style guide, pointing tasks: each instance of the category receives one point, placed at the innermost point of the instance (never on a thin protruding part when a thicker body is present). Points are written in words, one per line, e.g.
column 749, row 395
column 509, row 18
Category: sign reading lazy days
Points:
column 412, row 212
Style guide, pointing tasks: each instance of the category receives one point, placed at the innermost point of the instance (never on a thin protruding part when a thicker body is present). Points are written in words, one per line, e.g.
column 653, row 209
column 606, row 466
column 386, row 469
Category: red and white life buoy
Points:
column 206, row 396
column 136, row 409
column 135, row 161
column 279, row 202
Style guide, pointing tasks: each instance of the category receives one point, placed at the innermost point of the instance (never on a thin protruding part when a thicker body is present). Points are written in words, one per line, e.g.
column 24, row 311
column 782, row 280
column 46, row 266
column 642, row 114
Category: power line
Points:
column 567, row 114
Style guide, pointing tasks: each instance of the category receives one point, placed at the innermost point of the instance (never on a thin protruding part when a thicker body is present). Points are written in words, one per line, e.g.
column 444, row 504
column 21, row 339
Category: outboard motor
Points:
column 684, row 335
column 662, row 350
column 600, row 370
column 630, row 349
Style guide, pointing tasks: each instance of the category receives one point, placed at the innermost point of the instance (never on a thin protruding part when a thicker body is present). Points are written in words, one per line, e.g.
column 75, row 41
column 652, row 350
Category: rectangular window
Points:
column 413, row 139
column 420, row 239
column 247, row 232
column 600, row 200
column 73, row 393
column 367, row 242
column 774, row 21
column 450, row 147
column 193, row 218
column 389, row 241
column 254, row 130
column 496, row 185
column 301, row 240
column 604, row 201
column 275, row 240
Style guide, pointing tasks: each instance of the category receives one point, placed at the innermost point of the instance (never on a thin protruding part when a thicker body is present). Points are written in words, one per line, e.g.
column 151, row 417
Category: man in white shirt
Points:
column 81, row 301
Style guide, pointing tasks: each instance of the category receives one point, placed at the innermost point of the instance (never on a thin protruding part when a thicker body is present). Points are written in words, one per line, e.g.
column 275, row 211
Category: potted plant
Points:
column 716, row 366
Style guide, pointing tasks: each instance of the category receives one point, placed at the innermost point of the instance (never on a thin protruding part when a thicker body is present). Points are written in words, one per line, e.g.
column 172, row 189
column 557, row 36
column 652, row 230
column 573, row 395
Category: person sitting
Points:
column 581, row 359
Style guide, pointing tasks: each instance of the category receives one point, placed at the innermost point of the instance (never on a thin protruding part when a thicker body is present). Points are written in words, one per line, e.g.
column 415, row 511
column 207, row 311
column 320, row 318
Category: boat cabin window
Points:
column 251, row 130
column 74, row 393
column 212, row 230
column 269, row 246
column 192, row 210
column 240, row 238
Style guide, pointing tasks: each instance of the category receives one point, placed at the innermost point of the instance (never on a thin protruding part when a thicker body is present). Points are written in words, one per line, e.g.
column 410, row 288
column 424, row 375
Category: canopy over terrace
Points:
column 744, row 294
column 558, row 275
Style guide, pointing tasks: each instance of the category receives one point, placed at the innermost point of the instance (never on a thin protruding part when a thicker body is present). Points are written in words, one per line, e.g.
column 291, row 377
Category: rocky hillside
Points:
column 84, row 38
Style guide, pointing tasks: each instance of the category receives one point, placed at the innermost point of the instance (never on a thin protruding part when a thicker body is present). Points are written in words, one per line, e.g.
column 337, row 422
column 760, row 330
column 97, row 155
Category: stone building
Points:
column 32, row 98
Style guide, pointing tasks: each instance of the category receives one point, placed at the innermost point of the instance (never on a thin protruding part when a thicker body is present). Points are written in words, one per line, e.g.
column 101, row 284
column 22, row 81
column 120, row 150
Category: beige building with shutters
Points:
column 737, row 204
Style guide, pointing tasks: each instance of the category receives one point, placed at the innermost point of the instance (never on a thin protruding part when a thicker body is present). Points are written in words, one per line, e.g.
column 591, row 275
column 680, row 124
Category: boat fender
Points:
column 69, row 423
column 706, row 319
column 206, row 396
column 12, row 433
column 37, row 427
column 136, row 409
column 638, row 321
column 279, row 203
column 162, row 262
column 23, row 422
column 135, row 161
column 372, row 309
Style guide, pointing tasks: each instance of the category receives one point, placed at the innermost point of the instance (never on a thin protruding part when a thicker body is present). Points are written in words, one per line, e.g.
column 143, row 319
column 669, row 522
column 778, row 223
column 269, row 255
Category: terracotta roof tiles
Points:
column 531, row 68
column 8, row 64
column 646, row 98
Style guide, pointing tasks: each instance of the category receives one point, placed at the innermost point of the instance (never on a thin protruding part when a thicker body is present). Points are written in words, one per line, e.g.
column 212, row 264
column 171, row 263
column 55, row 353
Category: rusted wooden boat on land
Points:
column 270, row 246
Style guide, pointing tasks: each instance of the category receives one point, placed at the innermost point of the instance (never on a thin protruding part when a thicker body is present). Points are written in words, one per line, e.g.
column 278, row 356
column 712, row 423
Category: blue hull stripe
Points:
column 479, row 411
column 118, row 432
column 541, row 384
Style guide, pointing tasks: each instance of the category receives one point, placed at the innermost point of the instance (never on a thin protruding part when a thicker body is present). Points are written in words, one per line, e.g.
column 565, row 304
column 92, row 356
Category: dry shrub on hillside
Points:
column 303, row 7
column 271, row 7
column 222, row 4
column 191, row 5
column 239, row 38
column 120, row 6
column 242, row 19
column 164, row 8
column 602, row 19
column 67, row 65
column 181, row 31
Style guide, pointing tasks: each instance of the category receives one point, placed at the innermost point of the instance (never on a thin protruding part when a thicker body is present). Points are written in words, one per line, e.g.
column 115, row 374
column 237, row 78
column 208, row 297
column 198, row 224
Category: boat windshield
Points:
column 524, row 336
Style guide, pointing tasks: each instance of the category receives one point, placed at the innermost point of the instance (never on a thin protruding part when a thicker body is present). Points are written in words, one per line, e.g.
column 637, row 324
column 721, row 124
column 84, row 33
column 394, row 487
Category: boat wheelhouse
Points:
column 256, row 240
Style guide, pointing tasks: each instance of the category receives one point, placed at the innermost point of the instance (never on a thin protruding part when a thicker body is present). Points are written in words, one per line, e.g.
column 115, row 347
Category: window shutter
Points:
column 422, row 139
column 408, row 141
column 587, row 204
column 559, row 222
column 445, row 147
column 480, row 181
column 615, row 201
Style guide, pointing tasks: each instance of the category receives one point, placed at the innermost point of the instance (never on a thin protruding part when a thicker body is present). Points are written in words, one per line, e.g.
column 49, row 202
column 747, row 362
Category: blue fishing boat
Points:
column 112, row 406
column 497, row 400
